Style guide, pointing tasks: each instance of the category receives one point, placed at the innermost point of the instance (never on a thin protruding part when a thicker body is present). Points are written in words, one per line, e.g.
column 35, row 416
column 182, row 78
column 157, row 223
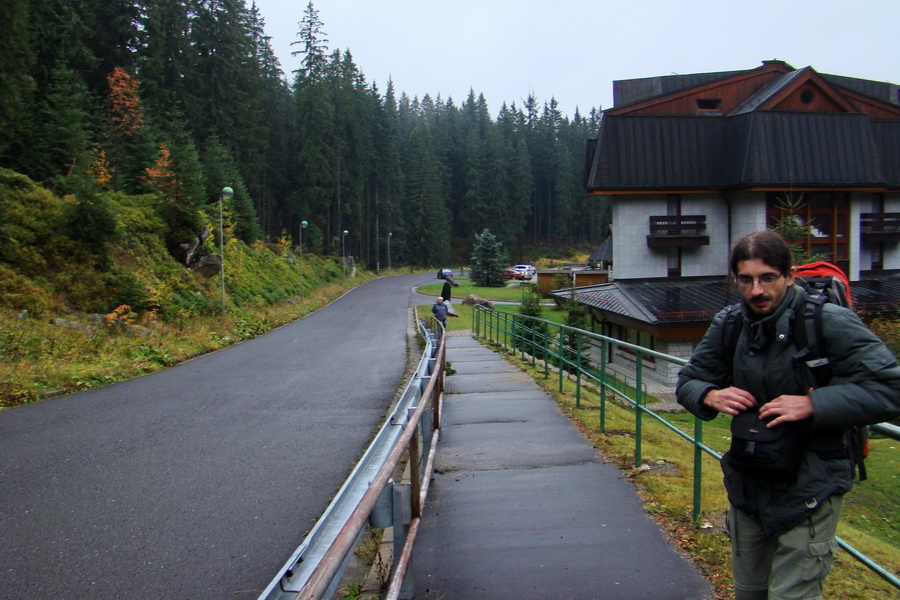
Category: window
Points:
column 826, row 213
column 807, row 96
column 709, row 104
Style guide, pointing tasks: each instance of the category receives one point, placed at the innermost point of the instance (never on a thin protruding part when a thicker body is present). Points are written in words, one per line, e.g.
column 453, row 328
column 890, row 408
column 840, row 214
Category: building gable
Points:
column 769, row 127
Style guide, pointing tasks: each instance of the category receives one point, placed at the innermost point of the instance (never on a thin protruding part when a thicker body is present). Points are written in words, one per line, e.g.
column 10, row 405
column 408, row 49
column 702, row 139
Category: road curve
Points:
column 198, row 481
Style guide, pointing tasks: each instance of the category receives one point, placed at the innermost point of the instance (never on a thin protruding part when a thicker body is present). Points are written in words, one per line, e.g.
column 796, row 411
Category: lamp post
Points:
column 226, row 193
column 344, row 251
column 303, row 225
column 390, row 235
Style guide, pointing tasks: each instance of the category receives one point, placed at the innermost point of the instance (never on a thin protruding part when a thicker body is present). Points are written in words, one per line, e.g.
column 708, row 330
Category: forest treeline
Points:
column 180, row 98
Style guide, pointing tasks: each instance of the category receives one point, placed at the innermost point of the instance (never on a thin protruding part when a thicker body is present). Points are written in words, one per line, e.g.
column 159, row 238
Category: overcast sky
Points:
column 574, row 49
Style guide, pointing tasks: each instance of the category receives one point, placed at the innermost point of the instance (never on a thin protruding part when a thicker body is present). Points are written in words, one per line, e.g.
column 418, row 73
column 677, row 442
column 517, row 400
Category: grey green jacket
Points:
column 864, row 389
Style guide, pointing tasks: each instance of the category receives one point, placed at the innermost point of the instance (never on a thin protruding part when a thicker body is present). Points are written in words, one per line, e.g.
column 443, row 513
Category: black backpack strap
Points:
column 731, row 330
column 810, row 339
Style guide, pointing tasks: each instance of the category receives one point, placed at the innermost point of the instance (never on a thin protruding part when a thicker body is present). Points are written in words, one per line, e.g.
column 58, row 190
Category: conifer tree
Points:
column 488, row 258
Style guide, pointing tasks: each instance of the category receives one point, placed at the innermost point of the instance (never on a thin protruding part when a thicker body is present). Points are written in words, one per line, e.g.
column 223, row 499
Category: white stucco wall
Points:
column 631, row 225
column 706, row 260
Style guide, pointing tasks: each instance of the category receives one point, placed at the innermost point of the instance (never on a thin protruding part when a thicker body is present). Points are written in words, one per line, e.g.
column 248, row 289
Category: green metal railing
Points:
column 581, row 355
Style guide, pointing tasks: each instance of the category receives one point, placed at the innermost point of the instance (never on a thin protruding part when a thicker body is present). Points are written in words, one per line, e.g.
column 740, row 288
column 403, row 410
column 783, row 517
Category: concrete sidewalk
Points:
column 523, row 507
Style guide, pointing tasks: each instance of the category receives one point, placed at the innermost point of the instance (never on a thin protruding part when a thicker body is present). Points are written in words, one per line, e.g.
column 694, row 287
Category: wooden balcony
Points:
column 879, row 227
column 683, row 230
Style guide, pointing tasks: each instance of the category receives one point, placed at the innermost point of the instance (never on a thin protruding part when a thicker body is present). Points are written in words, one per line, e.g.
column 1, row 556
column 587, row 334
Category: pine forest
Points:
column 183, row 97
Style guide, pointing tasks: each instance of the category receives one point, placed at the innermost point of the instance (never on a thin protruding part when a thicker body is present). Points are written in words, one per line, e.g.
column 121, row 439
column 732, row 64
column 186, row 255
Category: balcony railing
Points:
column 880, row 227
column 683, row 230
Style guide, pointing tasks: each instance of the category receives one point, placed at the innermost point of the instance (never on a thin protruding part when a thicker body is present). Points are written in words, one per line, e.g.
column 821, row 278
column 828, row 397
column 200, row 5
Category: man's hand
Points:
column 731, row 400
column 786, row 408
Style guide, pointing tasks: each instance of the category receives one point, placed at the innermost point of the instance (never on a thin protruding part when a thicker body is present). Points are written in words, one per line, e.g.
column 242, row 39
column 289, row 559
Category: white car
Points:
column 527, row 271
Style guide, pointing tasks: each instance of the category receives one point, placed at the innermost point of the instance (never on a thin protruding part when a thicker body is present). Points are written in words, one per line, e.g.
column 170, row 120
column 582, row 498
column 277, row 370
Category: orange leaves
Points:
column 126, row 115
column 162, row 174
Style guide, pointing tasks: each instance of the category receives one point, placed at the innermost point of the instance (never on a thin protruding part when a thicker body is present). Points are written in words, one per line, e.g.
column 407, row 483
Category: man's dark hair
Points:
column 766, row 246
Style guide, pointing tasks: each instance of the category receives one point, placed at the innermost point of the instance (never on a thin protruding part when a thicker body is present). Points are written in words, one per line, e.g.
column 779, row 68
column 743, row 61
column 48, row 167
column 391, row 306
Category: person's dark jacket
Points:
column 864, row 389
column 440, row 311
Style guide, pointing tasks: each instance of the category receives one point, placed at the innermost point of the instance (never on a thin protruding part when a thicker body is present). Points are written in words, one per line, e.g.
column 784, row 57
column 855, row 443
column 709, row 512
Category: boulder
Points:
column 473, row 300
column 207, row 266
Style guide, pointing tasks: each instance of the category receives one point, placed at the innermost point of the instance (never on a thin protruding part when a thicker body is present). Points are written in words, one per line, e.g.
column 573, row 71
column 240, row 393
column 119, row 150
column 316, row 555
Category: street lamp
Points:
column 344, row 251
column 303, row 225
column 390, row 235
column 226, row 193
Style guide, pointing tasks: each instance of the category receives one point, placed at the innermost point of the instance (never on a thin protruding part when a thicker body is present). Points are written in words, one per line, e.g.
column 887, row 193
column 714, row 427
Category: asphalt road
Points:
column 199, row 481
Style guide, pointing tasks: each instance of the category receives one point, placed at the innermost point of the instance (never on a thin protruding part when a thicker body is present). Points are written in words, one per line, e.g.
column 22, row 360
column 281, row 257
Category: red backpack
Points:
column 822, row 277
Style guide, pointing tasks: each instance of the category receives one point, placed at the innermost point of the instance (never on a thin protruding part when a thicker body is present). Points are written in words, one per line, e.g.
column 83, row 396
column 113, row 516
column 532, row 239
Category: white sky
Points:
column 573, row 49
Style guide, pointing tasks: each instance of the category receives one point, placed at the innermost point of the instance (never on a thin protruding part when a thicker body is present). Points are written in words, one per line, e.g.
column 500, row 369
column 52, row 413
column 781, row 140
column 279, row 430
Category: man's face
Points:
column 762, row 287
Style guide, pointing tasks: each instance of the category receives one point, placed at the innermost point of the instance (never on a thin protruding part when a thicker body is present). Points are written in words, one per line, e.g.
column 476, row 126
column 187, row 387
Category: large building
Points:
column 690, row 163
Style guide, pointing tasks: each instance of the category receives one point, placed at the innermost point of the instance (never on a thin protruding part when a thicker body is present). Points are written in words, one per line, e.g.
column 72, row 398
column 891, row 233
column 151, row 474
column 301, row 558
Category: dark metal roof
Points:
column 802, row 148
column 877, row 293
column 887, row 140
column 760, row 148
column 603, row 252
column 648, row 152
column 883, row 91
column 658, row 301
column 686, row 302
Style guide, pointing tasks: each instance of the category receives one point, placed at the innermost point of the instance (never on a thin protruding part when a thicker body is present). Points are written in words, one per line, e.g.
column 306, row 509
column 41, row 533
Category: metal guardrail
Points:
column 315, row 569
column 561, row 346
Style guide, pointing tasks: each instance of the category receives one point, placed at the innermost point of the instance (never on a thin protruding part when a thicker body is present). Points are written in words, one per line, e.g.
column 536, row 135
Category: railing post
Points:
column 545, row 344
column 639, row 404
column 604, row 348
column 698, row 466
column 561, row 357
column 578, row 369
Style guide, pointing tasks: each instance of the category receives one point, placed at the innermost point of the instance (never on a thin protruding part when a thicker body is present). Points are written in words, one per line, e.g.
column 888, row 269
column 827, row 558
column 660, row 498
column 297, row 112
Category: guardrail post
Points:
column 403, row 494
column 415, row 464
column 427, row 428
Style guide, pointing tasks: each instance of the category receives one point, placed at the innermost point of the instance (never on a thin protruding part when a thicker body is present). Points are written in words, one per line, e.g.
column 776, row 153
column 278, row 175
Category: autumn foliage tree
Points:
column 126, row 149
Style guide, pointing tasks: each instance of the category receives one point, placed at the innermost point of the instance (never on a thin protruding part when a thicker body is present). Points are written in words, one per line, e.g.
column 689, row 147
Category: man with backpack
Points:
column 790, row 460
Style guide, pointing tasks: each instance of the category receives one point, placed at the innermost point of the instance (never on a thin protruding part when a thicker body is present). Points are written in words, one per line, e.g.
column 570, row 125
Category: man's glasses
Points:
column 746, row 281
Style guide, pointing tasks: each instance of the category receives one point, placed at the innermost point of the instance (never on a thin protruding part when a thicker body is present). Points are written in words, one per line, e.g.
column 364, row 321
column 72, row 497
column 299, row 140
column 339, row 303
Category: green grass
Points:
column 511, row 293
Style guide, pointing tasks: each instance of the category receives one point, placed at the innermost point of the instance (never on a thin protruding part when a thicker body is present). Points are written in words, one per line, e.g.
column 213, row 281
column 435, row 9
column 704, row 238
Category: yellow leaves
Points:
column 100, row 169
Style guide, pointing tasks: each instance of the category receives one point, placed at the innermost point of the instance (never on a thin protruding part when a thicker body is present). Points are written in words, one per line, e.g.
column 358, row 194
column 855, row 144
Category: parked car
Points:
column 445, row 274
column 527, row 271
column 511, row 273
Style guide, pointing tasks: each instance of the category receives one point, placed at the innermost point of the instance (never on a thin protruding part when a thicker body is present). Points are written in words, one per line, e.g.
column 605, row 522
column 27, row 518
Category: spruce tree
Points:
column 488, row 257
